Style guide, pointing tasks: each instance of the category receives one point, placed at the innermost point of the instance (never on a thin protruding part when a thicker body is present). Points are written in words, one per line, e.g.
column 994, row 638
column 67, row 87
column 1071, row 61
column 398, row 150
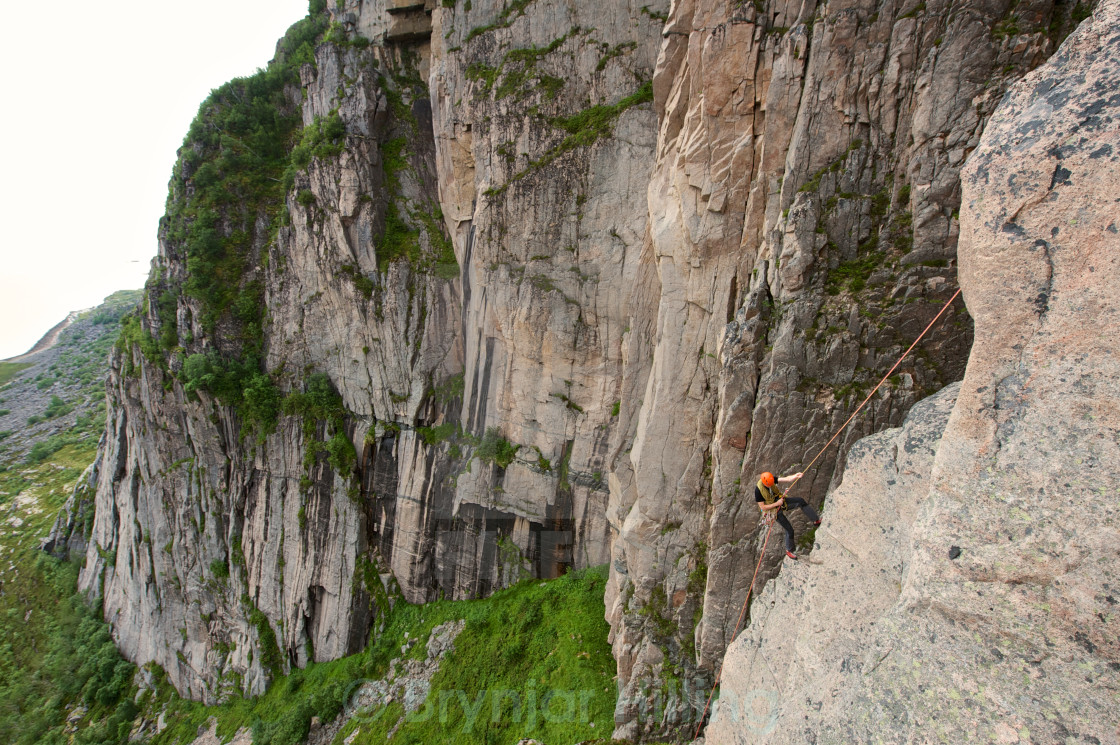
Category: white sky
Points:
column 97, row 98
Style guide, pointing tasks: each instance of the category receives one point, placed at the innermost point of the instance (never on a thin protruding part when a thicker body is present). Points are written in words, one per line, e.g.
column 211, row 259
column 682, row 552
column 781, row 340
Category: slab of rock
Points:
column 812, row 625
column 1004, row 624
column 209, row 736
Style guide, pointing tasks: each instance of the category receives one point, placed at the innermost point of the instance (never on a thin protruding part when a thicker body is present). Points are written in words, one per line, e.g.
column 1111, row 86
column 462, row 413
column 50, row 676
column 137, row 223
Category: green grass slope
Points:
column 532, row 661
column 61, row 678
column 56, row 656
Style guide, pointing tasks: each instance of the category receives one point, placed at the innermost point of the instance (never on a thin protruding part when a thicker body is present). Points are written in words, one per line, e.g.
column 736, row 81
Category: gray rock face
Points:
column 808, row 635
column 1002, row 624
column 803, row 232
column 544, row 142
column 224, row 559
column 207, row 544
column 687, row 240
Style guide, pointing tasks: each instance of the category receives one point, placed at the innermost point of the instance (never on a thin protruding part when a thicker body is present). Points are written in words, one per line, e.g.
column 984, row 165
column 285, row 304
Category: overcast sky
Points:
column 97, row 99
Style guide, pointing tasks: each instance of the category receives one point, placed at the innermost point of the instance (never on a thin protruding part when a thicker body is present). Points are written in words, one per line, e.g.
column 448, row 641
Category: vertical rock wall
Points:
column 986, row 610
column 225, row 557
column 544, row 136
column 480, row 401
column 804, row 218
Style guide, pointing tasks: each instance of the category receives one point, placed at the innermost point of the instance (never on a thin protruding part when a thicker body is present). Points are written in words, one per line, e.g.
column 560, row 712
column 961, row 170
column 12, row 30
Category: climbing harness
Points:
column 769, row 519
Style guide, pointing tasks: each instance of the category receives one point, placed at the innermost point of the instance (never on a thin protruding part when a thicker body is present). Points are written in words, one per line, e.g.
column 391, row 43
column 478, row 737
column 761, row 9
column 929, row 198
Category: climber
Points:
column 769, row 498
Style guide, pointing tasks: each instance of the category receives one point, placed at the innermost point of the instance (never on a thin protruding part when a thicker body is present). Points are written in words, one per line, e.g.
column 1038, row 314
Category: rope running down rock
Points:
column 770, row 527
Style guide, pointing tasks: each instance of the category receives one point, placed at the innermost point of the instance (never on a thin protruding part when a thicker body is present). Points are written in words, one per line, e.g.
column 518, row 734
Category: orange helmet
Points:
column 768, row 479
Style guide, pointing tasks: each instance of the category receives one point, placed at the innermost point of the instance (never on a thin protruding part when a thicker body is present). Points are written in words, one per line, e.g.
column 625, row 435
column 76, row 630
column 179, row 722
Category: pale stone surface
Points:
column 544, row 291
column 1003, row 624
column 798, row 147
column 812, row 626
column 210, row 736
column 549, row 258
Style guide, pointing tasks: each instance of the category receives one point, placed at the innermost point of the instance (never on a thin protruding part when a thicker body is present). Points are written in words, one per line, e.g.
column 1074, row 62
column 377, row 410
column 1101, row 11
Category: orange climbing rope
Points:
column 770, row 526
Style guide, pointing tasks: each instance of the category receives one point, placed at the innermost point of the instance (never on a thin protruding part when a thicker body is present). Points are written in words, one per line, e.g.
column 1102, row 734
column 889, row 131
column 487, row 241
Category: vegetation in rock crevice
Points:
column 510, row 13
column 517, row 68
column 224, row 204
column 494, row 448
column 323, row 138
column 584, row 128
column 406, row 223
column 320, row 402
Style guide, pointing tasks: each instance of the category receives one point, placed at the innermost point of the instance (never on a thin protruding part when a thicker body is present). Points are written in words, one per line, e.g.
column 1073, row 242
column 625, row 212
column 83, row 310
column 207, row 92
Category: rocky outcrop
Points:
column 409, row 682
column 986, row 607
column 544, row 142
column 69, row 536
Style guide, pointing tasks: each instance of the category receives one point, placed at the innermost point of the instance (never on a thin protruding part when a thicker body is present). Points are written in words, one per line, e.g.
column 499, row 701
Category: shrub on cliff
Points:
column 319, row 401
column 227, row 178
column 341, row 453
column 323, row 138
column 260, row 402
column 238, row 384
column 198, row 372
column 494, row 448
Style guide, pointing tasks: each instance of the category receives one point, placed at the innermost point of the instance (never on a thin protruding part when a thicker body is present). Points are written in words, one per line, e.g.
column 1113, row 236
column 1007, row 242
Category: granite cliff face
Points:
column 503, row 289
column 985, row 608
column 476, row 405
column 803, row 231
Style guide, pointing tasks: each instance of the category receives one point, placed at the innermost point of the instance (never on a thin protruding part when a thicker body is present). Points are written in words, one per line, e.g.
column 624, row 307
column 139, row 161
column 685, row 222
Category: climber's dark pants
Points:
column 784, row 521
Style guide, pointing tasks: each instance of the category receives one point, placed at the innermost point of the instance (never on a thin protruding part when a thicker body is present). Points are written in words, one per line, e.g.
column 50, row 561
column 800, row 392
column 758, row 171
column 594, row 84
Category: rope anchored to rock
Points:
column 770, row 522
